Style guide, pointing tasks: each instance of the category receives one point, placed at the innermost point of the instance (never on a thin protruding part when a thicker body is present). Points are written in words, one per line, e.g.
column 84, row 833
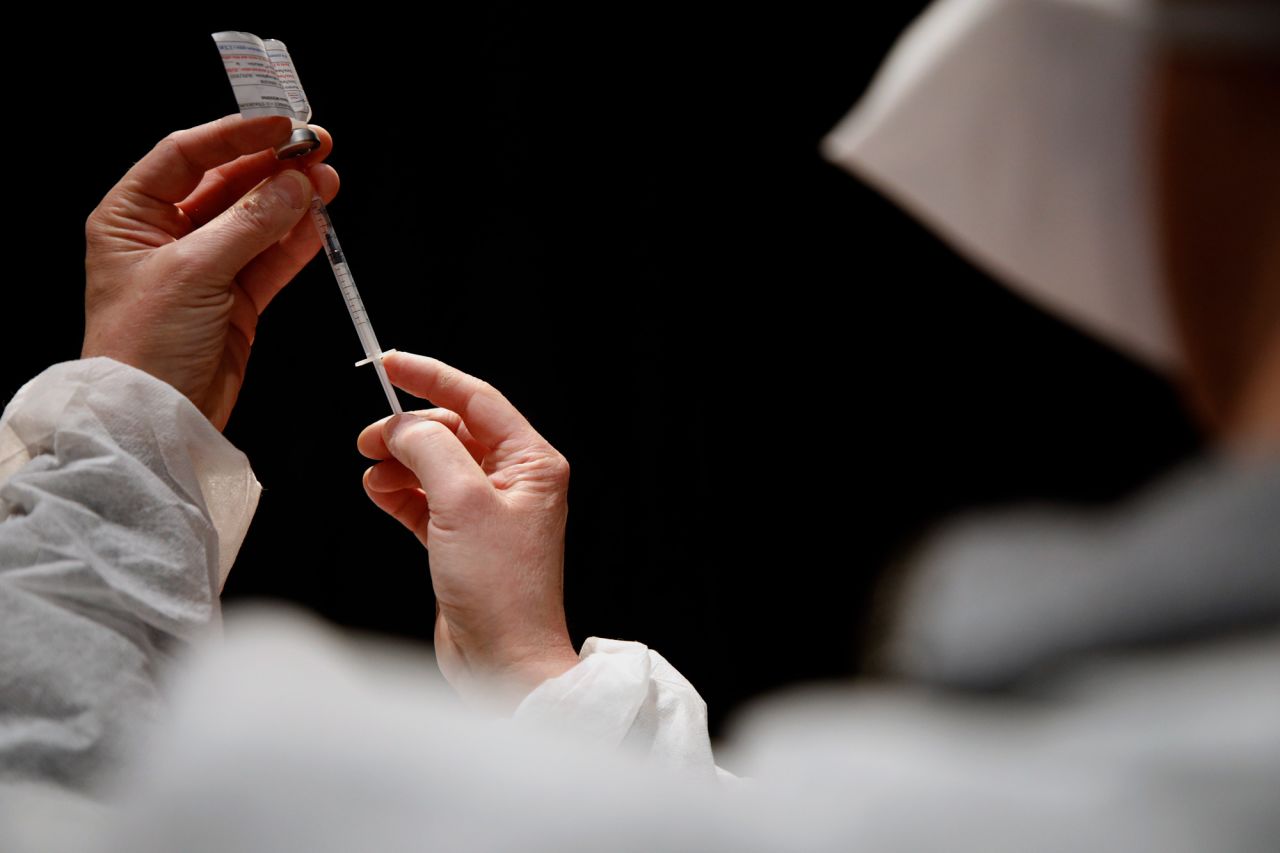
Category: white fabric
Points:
column 121, row 508
column 314, row 743
column 994, row 597
column 292, row 737
column 623, row 694
column 289, row 736
column 1016, row 130
column 76, row 394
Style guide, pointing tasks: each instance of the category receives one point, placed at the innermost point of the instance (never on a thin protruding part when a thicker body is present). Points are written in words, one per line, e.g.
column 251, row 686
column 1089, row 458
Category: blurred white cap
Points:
column 1017, row 130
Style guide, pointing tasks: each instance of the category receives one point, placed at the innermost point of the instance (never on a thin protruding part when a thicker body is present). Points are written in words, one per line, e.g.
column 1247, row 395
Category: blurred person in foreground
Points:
column 1055, row 681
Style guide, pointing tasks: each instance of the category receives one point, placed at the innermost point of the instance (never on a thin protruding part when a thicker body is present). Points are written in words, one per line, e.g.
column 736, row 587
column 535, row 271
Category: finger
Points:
column 177, row 165
column 488, row 415
column 407, row 506
column 264, row 276
column 390, row 475
column 222, row 247
column 451, row 479
column 371, row 444
column 221, row 187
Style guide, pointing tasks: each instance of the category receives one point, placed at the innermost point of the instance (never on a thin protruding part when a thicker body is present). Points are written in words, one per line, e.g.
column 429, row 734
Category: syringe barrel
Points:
column 346, row 282
column 355, row 305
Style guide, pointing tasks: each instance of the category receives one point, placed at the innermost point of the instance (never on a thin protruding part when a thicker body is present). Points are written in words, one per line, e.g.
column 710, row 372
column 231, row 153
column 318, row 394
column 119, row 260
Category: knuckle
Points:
column 448, row 378
column 448, row 418
column 412, row 441
column 484, row 390
column 171, row 147
column 558, row 469
column 94, row 239
column 92, row 223
column 431, row 429
column 97, row 225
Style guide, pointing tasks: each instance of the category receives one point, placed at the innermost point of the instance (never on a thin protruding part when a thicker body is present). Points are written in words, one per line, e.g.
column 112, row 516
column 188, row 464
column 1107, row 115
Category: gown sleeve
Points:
column 121, row 511
column 625, row 695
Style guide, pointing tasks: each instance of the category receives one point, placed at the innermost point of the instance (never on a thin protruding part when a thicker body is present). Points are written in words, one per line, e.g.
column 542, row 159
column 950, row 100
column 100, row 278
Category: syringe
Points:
column 266, row 83
column 373, row 353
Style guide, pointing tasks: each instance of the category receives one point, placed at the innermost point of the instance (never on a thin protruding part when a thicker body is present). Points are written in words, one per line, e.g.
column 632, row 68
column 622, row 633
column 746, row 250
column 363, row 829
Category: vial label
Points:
column 255, row 76
column 288, row 77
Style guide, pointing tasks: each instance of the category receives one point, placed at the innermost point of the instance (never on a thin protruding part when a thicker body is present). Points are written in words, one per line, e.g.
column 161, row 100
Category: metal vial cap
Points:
column 303, row 140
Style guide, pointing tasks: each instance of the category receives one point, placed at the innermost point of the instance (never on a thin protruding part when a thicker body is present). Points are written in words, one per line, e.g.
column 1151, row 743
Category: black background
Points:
column 767, row 379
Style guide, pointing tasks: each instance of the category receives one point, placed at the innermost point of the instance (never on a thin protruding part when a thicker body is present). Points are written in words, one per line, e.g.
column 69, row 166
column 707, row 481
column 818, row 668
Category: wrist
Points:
column 518, row 676
column 529, row 674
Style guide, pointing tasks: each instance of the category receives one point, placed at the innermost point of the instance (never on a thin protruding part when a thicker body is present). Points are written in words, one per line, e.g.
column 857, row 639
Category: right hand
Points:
column 487, row 496
column 187, row 249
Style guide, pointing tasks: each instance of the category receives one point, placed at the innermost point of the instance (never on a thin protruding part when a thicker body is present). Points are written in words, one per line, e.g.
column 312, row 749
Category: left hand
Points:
column 188, row 248
column 487, row 496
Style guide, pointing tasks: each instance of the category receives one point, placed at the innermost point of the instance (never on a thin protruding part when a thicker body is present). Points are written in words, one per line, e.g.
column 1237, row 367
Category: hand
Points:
column 188, row 248
column 486, row 496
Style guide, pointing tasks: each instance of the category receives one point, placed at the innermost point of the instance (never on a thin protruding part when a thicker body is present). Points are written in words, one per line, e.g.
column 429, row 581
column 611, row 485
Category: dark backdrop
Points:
column 767, row 379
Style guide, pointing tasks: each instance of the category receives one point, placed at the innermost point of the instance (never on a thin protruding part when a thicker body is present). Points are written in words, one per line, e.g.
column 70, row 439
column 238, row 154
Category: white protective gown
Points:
column 122, row 508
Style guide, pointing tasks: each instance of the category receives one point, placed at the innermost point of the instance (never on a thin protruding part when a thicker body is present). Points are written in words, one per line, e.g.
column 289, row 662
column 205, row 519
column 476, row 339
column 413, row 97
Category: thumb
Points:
column 225, row 244
column 450, row 477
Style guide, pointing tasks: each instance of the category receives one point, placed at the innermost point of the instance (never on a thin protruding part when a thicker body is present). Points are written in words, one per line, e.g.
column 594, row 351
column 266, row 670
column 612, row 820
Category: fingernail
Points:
column 394, row 426
column 291, row 187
